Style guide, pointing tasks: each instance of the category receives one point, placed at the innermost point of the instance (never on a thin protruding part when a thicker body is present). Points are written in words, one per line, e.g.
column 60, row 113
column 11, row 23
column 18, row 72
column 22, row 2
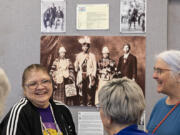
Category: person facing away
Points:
column 4, row 89
column 167, row 75
column 127, row 64
column 121, row 104
column 36, row 113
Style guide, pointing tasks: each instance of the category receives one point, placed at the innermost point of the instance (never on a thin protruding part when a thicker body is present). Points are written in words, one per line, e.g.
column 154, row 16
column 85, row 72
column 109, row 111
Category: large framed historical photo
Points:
column 80, row 65
column 132, row 16
column 53, row 16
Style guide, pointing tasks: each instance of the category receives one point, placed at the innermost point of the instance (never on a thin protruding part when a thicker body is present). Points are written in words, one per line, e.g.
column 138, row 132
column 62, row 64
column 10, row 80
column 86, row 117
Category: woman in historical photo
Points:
column 105, row 71
column 63, row 76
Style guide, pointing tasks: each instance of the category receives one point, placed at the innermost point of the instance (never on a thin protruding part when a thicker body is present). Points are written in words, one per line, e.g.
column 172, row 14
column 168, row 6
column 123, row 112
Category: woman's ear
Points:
column 109, row 120
column 177, row 77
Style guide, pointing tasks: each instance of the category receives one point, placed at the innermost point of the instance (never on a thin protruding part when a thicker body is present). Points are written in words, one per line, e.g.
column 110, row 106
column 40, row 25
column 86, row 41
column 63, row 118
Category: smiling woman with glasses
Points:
column 165, row 117
column 37, row 113
column 121, row 104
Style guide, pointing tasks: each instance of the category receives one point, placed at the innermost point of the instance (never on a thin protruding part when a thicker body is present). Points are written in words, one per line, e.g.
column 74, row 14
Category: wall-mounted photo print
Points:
column 132, row 16
column 81, row 65
column 53, row 16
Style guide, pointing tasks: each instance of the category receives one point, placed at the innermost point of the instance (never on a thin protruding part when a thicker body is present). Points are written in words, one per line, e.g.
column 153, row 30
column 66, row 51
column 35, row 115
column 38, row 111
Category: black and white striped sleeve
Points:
column 10, row 124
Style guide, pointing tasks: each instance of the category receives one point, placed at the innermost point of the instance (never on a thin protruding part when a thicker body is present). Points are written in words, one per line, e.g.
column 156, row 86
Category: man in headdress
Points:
column 85, row 66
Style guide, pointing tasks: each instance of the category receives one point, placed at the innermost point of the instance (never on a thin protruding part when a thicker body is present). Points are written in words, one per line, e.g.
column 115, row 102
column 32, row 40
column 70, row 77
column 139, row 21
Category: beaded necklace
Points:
column 43, row 127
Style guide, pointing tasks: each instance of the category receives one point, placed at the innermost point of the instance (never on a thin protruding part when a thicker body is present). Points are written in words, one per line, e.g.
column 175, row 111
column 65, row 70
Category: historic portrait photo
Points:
column 80, row 65
column 133, row 16
column 53, row 16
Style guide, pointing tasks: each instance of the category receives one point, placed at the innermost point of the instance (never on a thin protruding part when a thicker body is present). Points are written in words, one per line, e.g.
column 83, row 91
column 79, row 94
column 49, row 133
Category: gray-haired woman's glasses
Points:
column 160, row 70
column 98, row 106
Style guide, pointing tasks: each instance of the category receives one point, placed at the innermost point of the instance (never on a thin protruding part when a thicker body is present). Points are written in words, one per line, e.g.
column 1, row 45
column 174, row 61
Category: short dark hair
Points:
column 128, row 45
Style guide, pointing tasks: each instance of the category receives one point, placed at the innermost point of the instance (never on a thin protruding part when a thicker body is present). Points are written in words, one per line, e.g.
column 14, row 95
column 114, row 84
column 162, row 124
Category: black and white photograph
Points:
column 80, row 65
column 132, row 16
column 53, row 16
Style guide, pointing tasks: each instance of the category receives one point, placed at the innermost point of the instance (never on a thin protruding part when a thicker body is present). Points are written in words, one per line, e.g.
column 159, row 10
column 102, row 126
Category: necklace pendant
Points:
column 59, row 133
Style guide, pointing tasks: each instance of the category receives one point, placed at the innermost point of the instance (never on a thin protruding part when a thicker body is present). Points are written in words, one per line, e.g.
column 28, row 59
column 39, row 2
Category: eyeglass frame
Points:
column 160, row 70
column 35, row 84
column 98, row 106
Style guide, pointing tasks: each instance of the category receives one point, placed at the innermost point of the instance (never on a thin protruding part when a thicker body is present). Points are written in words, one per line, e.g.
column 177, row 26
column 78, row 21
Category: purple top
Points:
column 47, row 117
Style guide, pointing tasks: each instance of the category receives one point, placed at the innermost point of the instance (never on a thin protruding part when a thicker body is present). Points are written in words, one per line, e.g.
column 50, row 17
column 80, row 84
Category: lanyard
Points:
column 160, row 123
column 57, row 127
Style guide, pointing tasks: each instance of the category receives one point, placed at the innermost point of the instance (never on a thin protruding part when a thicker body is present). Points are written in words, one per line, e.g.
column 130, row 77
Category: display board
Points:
column 21, row 33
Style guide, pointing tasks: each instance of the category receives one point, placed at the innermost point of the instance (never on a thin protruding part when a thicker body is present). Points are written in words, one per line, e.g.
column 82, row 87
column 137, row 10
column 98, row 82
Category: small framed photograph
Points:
column 53, row 16
column 132, row 16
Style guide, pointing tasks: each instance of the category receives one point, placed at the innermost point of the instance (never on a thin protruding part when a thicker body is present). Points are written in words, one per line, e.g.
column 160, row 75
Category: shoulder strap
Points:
column 160, row 123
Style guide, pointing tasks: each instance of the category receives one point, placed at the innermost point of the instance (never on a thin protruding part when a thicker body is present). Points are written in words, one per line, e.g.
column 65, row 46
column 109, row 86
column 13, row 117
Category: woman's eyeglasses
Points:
column 160, row 70
column 98, row 106
column 33, row 85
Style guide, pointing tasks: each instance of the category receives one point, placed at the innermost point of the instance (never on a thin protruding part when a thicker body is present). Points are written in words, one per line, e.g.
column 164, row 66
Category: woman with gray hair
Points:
column 121, row 104
column 4, row 89
column 165, row 117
